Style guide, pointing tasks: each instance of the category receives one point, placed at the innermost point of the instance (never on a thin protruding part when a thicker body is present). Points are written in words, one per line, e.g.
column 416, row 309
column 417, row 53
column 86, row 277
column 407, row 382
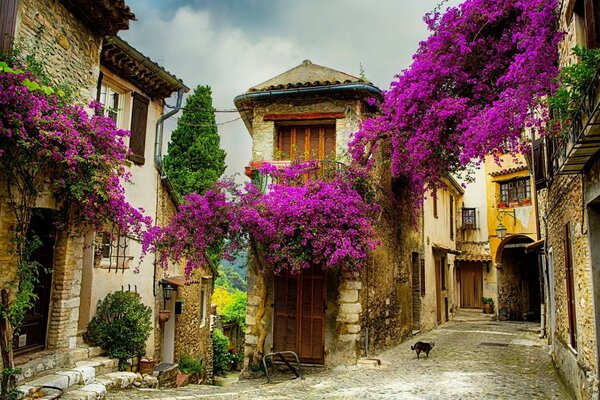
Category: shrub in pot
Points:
column 488, row 305
column 121, row 326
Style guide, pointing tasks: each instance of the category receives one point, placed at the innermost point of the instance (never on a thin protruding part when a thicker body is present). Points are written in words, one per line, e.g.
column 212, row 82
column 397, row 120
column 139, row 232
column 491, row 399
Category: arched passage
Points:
column 518, row 280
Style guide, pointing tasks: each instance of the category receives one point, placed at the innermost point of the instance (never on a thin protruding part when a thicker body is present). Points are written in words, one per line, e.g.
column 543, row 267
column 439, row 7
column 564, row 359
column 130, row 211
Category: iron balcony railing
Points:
column 582, row 139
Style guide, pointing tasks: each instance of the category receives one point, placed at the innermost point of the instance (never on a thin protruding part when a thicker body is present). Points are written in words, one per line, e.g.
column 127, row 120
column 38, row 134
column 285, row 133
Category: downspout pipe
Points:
column 158, row 143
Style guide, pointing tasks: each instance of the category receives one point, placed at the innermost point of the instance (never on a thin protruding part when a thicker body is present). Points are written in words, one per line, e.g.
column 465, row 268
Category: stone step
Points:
column 84, row 373
column 113, row 380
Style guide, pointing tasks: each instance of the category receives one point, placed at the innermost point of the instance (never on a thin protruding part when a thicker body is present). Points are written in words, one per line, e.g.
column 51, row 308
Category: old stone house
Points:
column 77, row 41
column 566, row 176
column 326, row 317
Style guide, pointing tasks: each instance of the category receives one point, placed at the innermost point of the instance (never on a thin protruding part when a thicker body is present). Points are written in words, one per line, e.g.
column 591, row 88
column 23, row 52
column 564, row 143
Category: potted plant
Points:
column 488, row 305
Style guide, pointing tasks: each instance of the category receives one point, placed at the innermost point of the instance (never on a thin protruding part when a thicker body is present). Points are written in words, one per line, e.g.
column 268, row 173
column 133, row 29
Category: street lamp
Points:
column 501, row 229
column 167, row 290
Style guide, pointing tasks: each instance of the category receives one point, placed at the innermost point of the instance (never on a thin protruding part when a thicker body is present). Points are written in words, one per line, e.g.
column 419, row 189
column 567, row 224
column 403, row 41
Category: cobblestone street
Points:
column 473, row 358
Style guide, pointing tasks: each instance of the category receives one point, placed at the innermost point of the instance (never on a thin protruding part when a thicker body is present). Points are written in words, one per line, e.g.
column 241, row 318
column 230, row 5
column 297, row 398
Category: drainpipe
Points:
column 158, row 162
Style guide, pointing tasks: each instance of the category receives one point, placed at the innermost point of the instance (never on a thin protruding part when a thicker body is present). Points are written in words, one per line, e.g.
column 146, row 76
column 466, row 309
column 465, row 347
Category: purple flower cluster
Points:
column 472, row 88
column 299, row 222
column 48, row 145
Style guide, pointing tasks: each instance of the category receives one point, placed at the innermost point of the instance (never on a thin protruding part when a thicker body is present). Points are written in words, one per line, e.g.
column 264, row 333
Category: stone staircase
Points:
column 89, row 379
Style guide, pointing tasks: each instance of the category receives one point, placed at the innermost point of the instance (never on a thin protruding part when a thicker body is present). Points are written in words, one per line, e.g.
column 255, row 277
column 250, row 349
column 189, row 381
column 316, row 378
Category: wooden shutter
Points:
column 591, row 20
column 8, row 21
column 539, row 165
column 306, row 142
column 139, row 118
column 422, row 277
column 451, row 217
column 570, row 289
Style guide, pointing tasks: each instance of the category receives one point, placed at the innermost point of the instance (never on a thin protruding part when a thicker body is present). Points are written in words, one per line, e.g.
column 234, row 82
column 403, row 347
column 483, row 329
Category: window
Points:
column 8, row 11
column 516, row 192
column 202, row 308
column 443, row 272
column 434, row 198
column 309, row 142
column 469, row 219
column 422, row 277
column 586, row 13
column 451, row 217
column 111, row 103
column 572, row 317
column 115, row 251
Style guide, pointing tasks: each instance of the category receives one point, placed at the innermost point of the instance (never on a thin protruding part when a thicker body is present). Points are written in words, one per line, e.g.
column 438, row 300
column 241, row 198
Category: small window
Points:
column 515, row 193
column 115, row 251
column 451, row 217
column 202, row 308
column 469, row 218
column 139, row 119
column 443, row 272
column 422, row 277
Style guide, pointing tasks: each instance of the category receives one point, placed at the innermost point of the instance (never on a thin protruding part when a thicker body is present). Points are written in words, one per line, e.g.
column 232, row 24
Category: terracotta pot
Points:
column 163, row 316
column 146, row 365
column 488, row 308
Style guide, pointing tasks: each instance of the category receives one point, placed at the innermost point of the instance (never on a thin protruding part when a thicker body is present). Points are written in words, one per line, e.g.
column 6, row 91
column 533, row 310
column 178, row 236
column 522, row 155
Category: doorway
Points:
column 31, row 336
column 471, row 285
column 299, row 314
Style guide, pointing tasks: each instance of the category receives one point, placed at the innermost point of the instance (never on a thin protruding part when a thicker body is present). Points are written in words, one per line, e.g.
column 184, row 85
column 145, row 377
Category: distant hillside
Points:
column 239, row 265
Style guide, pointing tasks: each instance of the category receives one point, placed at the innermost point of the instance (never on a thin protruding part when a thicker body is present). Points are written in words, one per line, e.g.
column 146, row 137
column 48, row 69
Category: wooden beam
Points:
column 302, row 116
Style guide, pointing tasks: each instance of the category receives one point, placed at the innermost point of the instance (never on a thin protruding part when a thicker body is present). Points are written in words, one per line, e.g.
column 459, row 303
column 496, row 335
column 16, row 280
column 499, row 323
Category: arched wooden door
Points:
column 299, row 314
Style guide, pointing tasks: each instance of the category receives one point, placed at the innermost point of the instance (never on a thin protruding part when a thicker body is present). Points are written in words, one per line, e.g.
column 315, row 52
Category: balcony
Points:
column 582, row 139
column 324, row 170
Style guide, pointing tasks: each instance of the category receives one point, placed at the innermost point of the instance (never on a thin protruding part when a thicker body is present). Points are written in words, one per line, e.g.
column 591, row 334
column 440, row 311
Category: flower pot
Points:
column 488, row 308
column 163, row 316
column 146, row 365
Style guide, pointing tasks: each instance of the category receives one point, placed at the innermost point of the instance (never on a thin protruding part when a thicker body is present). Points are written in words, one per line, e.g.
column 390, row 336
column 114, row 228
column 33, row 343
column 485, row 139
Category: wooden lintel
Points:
column 303, row 116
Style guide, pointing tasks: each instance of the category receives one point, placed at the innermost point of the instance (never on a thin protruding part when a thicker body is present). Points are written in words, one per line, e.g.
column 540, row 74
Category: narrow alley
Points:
column 473, row 358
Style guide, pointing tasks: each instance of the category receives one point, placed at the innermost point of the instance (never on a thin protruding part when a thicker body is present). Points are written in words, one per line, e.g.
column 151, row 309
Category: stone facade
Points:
column 569, row 206
column 71, row 50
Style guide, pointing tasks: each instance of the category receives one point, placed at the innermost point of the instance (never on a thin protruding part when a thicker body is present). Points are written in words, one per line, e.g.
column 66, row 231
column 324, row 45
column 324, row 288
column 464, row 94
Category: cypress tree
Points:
column 195, row 159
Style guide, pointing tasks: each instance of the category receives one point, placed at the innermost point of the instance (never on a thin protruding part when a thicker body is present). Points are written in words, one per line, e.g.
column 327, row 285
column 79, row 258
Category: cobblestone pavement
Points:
column 473, row 358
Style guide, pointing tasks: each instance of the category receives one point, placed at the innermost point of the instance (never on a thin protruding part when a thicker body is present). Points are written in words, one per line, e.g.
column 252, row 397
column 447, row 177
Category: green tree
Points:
column 195, row 159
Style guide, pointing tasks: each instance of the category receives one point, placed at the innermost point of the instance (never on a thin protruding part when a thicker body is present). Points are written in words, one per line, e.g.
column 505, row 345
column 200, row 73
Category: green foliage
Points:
column 222, row 357
column 195, row 159
column 121, row 326
column 236, row 310
column 229, row 278
column 574, row 81
column 191, row 365
column 488, row 300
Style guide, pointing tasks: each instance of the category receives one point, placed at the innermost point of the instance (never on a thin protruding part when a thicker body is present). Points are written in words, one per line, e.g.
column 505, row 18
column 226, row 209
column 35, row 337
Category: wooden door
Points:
column 471, row 285
column 299, row 315
column 438, row 288
column 32, row 333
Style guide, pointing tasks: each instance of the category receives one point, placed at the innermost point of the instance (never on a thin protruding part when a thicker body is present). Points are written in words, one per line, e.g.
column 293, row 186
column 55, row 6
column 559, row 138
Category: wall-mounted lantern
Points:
column 501, row 229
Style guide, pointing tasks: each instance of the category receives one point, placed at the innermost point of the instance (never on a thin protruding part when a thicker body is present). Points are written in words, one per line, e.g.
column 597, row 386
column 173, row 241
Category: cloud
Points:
column 233, row 45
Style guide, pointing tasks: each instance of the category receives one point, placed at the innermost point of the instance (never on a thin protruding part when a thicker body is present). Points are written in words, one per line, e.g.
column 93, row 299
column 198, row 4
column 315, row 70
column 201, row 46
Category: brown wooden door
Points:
column 471, row 285
column 299, row 315
column 438, row 289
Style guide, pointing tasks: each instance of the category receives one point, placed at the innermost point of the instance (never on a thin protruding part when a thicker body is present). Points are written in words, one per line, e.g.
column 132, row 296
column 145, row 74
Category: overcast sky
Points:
column 232, row 45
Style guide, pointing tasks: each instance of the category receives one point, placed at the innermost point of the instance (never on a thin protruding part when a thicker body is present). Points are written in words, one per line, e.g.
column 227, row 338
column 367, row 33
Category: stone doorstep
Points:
column 38, row 363
column 84, row 373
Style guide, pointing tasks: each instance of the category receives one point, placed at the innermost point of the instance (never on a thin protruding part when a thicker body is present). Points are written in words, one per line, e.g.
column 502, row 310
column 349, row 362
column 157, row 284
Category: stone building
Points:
column 68, row 35
column 76, row 39
column 566, row 174
column 327, row 317
column 433, row 278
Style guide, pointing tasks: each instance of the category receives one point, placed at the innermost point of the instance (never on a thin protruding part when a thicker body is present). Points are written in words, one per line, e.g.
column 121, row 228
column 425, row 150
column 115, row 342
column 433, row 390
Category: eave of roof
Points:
column 103, row 17
column 127, row 62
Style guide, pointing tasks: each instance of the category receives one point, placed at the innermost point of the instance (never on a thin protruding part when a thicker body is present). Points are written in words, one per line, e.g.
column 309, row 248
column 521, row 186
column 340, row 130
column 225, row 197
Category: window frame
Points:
column 465, row 217
column 203, row 301
column 515, row 192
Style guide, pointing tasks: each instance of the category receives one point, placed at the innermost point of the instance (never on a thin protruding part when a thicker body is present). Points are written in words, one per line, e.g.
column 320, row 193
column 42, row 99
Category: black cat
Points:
column 422, row 347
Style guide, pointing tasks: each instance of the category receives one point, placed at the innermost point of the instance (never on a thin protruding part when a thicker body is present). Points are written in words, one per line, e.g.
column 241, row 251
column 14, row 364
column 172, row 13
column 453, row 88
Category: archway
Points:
column 518, row 280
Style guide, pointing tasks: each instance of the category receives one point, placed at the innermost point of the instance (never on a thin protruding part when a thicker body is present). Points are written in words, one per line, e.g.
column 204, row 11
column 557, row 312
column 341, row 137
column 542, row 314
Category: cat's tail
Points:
column 412, row 347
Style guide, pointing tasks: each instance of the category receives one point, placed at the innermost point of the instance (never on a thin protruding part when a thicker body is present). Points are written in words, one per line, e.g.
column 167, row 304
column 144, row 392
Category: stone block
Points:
column 348, row 338
column 349, row 296
column 351, row 285
column 121, row 380
column 96, row 388
column 250, row 319
column 344, row 317
column 351, row 328
column 251, row 339
column 61, row 381
column 73, row 376
column 350, row 308
column 88, row 374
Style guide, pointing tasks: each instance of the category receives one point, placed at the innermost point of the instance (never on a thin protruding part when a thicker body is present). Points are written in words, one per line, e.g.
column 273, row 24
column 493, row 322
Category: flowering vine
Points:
column 472, row 88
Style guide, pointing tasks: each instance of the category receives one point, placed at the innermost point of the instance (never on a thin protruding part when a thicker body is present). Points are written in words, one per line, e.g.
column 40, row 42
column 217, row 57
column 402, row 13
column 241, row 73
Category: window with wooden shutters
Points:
column 451, row 217
column 539, row 165
column 434, row 197
column 422, row 277
column 8, row 21
column 139, row 117
column 469, row 218
column 306, row 142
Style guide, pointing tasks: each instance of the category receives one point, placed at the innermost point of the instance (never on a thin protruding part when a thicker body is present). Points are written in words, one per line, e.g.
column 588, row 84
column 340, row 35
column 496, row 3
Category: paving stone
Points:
column 460, row 366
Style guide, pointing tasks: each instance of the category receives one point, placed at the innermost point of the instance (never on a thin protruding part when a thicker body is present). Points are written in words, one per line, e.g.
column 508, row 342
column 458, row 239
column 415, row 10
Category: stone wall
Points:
column 70, row 50
column 562, row 204
column 192, row 336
